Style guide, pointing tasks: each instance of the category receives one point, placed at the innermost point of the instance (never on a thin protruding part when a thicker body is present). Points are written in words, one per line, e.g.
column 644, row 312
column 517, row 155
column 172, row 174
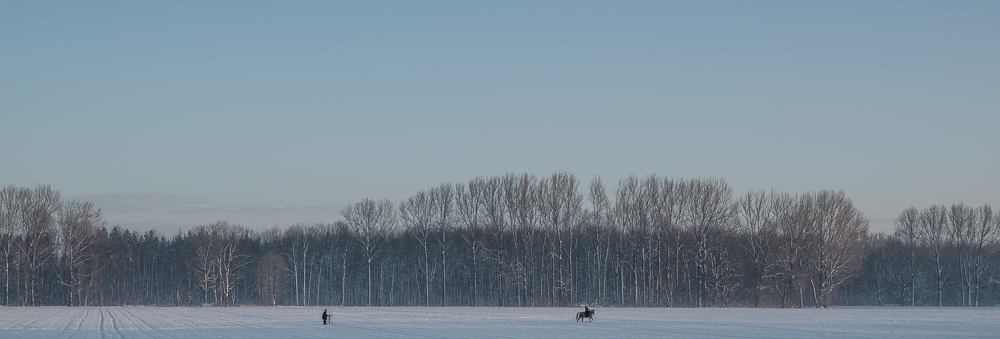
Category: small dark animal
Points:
column 588, row 315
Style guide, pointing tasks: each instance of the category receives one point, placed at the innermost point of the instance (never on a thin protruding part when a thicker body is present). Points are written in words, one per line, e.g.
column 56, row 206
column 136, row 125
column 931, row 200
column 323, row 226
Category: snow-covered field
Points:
column 491, row 322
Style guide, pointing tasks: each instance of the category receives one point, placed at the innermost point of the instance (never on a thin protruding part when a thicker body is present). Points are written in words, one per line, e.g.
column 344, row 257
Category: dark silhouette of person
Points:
column 325, row 316
column 586, row 309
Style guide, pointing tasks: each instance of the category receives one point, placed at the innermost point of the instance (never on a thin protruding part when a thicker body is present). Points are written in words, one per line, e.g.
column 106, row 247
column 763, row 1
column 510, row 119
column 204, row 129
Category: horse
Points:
column 588, row 315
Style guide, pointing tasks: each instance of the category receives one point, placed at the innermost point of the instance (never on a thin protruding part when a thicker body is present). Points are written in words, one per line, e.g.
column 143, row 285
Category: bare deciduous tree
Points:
column 203, row 265
column 837, row 252
column 972, row 230
column 417, row 214
column 600, row 221
column 934, row 235
column 372, row 222
column 78, row 233
column 38, row 213
column 9, row 231
column 443, row 201
column 271, row 275
column 710, row 212
column 908, row 232
column 229, row 259
column 470, row 201
column 757, row 222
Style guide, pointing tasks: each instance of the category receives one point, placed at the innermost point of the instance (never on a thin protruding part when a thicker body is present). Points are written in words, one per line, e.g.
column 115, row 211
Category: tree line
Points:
column 938, row 256
column 514, row 240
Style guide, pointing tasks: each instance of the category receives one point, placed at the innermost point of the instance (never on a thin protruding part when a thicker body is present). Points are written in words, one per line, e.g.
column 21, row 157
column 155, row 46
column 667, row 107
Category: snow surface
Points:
column 492, row 322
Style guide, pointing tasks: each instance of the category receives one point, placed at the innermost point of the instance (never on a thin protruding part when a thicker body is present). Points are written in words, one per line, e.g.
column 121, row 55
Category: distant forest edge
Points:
column 515, row 240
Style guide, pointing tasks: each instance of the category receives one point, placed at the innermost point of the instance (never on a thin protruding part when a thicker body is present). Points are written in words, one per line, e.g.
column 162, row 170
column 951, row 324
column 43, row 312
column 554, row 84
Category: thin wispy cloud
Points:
column 129, row 203
column 165, row 211
column 262, row 209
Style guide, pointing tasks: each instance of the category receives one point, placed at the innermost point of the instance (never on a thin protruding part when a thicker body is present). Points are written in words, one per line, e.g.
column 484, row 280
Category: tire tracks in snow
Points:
column 100, row 325
column 178, row 320
column 185, row 322
column 128, row 323
column 79, row 325
column 25, row 327
column 244, row 324
column 114, row 326
column 151, row 327
column 385, row 332
column 78, row 319
column 65, row 329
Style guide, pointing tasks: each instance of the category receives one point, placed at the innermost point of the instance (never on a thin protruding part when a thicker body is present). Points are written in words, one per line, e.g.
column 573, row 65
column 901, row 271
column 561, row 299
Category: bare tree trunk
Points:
column 933, row 221
column 343, row 281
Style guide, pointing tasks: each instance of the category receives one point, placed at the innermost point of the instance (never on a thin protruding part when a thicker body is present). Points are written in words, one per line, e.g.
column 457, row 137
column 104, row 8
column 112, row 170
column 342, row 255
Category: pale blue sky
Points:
column 174, row 114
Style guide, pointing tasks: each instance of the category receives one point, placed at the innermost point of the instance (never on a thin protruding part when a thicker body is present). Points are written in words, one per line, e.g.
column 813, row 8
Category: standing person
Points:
column 325, row 316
